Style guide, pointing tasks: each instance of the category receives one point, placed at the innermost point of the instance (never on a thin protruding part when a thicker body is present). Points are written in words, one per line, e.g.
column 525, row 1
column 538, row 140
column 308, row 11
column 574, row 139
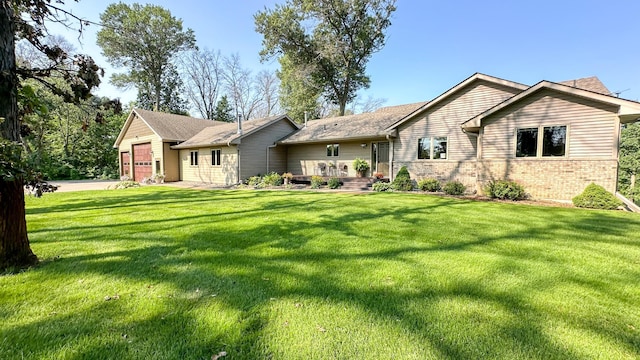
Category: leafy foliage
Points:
column 381, row 186
column 402, row 181
column 145, row 39
column 316, row 181
column 630, row 161
column 333, row 183
column 360, row 165
column 429, row 184
column 454, row 188
column 223, row 110
column 596, row 197
column 505, row 190
column 272, row 179
column 330, row 40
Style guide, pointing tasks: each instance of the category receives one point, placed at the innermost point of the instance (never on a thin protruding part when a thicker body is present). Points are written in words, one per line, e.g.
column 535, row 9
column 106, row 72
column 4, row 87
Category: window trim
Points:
column 193, row 156
column 432, row 148
column 335, row 150
column 540, row 142
column 218, row 156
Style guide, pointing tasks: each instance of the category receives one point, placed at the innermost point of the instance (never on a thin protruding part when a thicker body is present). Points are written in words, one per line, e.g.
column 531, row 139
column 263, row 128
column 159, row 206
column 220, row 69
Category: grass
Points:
column 163, row 273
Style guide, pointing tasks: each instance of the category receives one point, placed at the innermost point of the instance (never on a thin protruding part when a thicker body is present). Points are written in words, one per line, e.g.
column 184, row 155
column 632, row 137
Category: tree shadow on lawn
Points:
column 234, row 264
column 108, row 199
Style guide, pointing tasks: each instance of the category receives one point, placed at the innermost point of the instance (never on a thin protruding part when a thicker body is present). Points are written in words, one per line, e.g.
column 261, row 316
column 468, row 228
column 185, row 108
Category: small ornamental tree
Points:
column 402, row 181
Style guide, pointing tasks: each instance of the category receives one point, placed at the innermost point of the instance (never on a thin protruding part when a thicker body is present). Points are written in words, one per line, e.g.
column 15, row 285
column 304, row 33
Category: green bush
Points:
column 381, row 186
column 596, row 197
column 429, row 184
column 333, row 183
column 126, row 184
column 316, row 181
column 360, row 165
column 454, row 188
column 254, row 181
column 402, row 181
column 505, row 190
column 272, row 179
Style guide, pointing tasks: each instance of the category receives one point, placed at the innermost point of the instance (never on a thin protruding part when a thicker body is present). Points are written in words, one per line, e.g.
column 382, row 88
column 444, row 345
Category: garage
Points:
column 142, row 161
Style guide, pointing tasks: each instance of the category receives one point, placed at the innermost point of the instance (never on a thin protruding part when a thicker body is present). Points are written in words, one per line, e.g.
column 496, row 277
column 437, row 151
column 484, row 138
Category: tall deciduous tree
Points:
column 334, row 39
column 79, row 72
column 202, row 70
column 145, row 40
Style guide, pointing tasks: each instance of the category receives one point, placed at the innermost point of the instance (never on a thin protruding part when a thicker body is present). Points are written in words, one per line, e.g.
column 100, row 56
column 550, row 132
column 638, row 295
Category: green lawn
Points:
column 164, row 273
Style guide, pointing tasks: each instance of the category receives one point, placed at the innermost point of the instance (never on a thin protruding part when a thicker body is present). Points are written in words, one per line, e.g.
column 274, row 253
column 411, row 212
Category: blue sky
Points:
column 433, row 45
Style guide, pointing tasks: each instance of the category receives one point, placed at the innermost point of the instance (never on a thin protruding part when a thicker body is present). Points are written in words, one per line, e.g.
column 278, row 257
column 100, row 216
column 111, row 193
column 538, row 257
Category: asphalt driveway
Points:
column 80, row 185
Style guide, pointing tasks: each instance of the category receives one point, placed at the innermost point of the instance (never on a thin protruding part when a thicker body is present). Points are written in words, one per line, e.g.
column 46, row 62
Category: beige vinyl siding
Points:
column 445, row 119
column 138, row 128
column 591, row 126
column 171, row 163
column 304, row 159
column 225, row 174
column 253, row 148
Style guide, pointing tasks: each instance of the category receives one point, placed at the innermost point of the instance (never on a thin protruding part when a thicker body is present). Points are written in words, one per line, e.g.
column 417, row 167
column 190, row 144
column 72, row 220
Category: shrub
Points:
column 429, row 184
column 316, row 181
column 333, row 183
column 360, row 165
column 125, row 184
column 505, row 190
column 272, row 179
column 596, row 197
column 254, row 181
column 381, row 186
column 402, row 181
column 454, row 188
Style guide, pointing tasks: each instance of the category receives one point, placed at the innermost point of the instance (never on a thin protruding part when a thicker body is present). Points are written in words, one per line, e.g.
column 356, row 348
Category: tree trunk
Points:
column 14, row 243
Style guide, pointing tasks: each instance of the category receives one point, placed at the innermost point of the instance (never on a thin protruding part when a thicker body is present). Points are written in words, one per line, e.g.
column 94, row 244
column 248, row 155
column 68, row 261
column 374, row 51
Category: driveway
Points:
column 80, row 185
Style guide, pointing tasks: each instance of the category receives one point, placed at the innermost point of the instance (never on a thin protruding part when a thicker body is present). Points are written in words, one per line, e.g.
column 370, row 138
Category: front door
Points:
column 380, row 157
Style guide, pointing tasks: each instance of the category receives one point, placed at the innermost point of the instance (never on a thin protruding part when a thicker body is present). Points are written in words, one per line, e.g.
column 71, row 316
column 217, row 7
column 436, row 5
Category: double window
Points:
column 216, row 159
column 194, row 158
column 553, row 141
column 333, row 149
column 434, row 147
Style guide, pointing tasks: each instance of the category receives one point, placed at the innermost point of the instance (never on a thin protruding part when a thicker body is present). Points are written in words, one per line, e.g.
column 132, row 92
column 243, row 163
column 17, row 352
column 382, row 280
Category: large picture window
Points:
column 552, row 143
column 215, row 157
column 194, row 158
column 432, row 147
column 333, row 149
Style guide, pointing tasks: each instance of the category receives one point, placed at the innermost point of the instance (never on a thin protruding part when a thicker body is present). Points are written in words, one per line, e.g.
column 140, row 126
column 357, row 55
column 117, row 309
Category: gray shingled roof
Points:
column 347, row 127
column 171, row 127
column 589, row 83
column 227, row 133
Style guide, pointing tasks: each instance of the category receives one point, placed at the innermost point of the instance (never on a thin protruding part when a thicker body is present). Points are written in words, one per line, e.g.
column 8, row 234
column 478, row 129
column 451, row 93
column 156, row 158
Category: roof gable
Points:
column 351, row 127
column 628, row 110
column 589, row 83
column 227, row 133
column 447, row 94
column 168, row 127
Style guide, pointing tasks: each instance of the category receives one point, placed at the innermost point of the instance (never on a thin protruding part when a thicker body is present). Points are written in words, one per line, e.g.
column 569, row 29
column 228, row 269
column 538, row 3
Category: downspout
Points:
column 391, row 151
column 239, row 168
